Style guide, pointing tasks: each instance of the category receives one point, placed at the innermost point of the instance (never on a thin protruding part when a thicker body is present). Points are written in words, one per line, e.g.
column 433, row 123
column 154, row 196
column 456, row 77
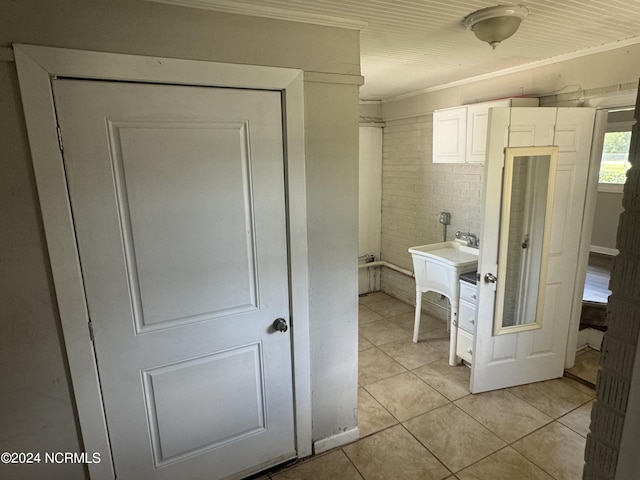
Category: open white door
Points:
column 510, row 359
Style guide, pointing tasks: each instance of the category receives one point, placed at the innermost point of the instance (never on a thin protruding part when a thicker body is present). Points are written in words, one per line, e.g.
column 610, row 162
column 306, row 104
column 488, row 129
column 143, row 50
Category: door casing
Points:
column 36, row 67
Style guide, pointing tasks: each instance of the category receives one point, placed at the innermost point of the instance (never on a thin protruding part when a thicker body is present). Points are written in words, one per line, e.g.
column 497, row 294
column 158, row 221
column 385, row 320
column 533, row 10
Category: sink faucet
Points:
column 471, row 238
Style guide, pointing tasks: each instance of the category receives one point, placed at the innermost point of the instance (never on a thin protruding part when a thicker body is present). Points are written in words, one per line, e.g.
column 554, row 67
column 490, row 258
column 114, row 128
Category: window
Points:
column 615, row 152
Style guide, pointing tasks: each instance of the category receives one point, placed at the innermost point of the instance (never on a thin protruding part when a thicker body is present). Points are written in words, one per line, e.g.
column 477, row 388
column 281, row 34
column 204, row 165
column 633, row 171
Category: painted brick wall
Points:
column 414, row 192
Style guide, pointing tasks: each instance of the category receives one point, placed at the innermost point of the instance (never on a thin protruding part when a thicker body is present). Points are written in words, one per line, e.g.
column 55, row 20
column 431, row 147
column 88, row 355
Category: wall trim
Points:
column 336, row 440
column 589, row 337
column 604, row 250
column 228, row 6
column 36, row 66
column 340, row 78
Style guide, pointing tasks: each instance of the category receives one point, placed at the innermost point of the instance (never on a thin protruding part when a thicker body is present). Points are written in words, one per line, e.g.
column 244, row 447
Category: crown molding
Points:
column 228, row 6
column 520, row 68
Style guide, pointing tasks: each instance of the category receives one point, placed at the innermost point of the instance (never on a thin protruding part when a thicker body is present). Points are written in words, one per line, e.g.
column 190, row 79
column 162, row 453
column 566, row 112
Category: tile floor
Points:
column 586, row 366
column 418, row 421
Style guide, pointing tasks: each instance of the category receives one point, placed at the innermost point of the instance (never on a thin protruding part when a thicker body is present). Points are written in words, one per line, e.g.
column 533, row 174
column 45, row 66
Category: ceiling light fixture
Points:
column 495, row 24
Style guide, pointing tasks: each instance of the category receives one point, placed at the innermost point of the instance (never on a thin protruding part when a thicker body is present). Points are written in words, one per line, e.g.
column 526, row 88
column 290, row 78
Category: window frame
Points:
column 624, row 126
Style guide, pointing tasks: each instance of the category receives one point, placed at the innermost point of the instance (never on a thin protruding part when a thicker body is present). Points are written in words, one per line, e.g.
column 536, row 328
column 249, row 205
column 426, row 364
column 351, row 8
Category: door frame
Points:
column 37, row 66
column 602, row 105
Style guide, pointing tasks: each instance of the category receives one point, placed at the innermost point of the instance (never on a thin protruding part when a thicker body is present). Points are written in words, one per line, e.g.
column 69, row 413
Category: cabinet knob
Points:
column 470, row 351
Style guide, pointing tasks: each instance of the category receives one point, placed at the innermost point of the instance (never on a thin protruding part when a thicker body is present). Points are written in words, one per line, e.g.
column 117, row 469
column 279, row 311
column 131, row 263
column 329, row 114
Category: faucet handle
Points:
column 473, row 240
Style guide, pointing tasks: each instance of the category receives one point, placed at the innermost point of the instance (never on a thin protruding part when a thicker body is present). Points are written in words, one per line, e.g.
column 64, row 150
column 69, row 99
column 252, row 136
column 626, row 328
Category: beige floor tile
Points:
column 382, row 332
column 587, row 366
column 437, row 337
column 363, row 343
column 509, row 417
column 556, row 449
column 394, row 454
column 553, row 397
column 586, row 389
column 366, row 315
column 334, row 465
column 405, row 396
column 454, row 437
column 507, row 464
column 579, row 419
column 376, row 365
column 427, row 322
column 374, row 297
column 452, row 382
column 390, row 307
column 372, row 417
column 412, row 355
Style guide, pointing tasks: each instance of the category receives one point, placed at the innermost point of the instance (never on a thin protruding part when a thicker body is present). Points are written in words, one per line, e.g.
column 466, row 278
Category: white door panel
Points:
column 531, row 126
column 178, row 202
column 534, row 355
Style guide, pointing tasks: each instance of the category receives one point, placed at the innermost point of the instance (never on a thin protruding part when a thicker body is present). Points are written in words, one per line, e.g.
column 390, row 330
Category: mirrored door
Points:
column 536, row 175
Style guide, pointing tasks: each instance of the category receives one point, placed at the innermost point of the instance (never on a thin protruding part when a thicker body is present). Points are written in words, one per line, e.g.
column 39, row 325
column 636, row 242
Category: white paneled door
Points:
column 178, row 201
column 501, row 361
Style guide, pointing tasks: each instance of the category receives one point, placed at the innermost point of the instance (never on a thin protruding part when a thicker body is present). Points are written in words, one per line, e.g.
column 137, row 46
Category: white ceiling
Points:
column 413, row 45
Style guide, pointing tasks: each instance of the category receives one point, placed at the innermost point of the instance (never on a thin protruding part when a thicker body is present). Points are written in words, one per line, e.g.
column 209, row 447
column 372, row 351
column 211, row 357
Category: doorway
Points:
column 37, row 66
column 614, row 161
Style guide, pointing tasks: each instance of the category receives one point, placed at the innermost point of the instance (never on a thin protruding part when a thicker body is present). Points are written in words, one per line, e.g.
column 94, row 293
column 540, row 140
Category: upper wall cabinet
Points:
column 450, row 135
column 460, row 133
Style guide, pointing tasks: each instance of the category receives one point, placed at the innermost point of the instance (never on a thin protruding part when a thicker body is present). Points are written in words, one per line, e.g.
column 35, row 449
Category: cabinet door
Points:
column 450, row 135
column 477, row 121
column 464, row 347
column 467, row 316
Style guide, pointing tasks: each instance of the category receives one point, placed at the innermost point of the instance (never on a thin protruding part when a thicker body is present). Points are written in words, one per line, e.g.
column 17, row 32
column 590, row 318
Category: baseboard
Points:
column 589, row 337
column 337, row 440
column 604, row 250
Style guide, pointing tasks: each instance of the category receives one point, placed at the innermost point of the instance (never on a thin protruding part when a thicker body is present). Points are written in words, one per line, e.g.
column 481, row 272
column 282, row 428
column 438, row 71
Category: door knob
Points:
column 280, row 324
column 490, row 278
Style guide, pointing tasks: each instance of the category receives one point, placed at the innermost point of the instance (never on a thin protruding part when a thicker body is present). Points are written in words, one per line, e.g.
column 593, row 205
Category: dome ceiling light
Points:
column 495, row 24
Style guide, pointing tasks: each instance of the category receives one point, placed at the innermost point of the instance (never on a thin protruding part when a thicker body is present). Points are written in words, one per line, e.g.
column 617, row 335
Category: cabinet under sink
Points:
column 466, row 319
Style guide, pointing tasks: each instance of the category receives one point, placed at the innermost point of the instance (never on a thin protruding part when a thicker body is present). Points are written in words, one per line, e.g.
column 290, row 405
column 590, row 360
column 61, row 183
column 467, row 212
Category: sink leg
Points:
column 453, row 342
column 416, row 326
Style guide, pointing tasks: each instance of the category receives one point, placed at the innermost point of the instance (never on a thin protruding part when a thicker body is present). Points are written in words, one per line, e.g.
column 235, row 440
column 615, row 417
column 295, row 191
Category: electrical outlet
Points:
column 445, row 218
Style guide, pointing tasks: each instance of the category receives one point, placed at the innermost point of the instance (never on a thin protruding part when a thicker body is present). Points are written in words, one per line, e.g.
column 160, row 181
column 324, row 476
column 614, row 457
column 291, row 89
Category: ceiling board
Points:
column 413, row 45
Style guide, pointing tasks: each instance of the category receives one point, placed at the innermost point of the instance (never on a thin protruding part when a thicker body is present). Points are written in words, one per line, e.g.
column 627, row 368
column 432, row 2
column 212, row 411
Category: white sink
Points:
column 452, row 253
column 437, row 268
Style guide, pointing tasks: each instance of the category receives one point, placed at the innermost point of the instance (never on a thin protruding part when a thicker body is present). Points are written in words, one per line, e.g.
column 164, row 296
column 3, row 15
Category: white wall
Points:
column 36, row 394
column 370, row 190
column 605, row 222
column 369, row 203
column 332, row 205
column 414, row 192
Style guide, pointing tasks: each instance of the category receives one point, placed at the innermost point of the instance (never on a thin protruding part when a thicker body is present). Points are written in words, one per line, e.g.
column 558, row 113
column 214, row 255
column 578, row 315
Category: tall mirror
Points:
column 525, row 224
